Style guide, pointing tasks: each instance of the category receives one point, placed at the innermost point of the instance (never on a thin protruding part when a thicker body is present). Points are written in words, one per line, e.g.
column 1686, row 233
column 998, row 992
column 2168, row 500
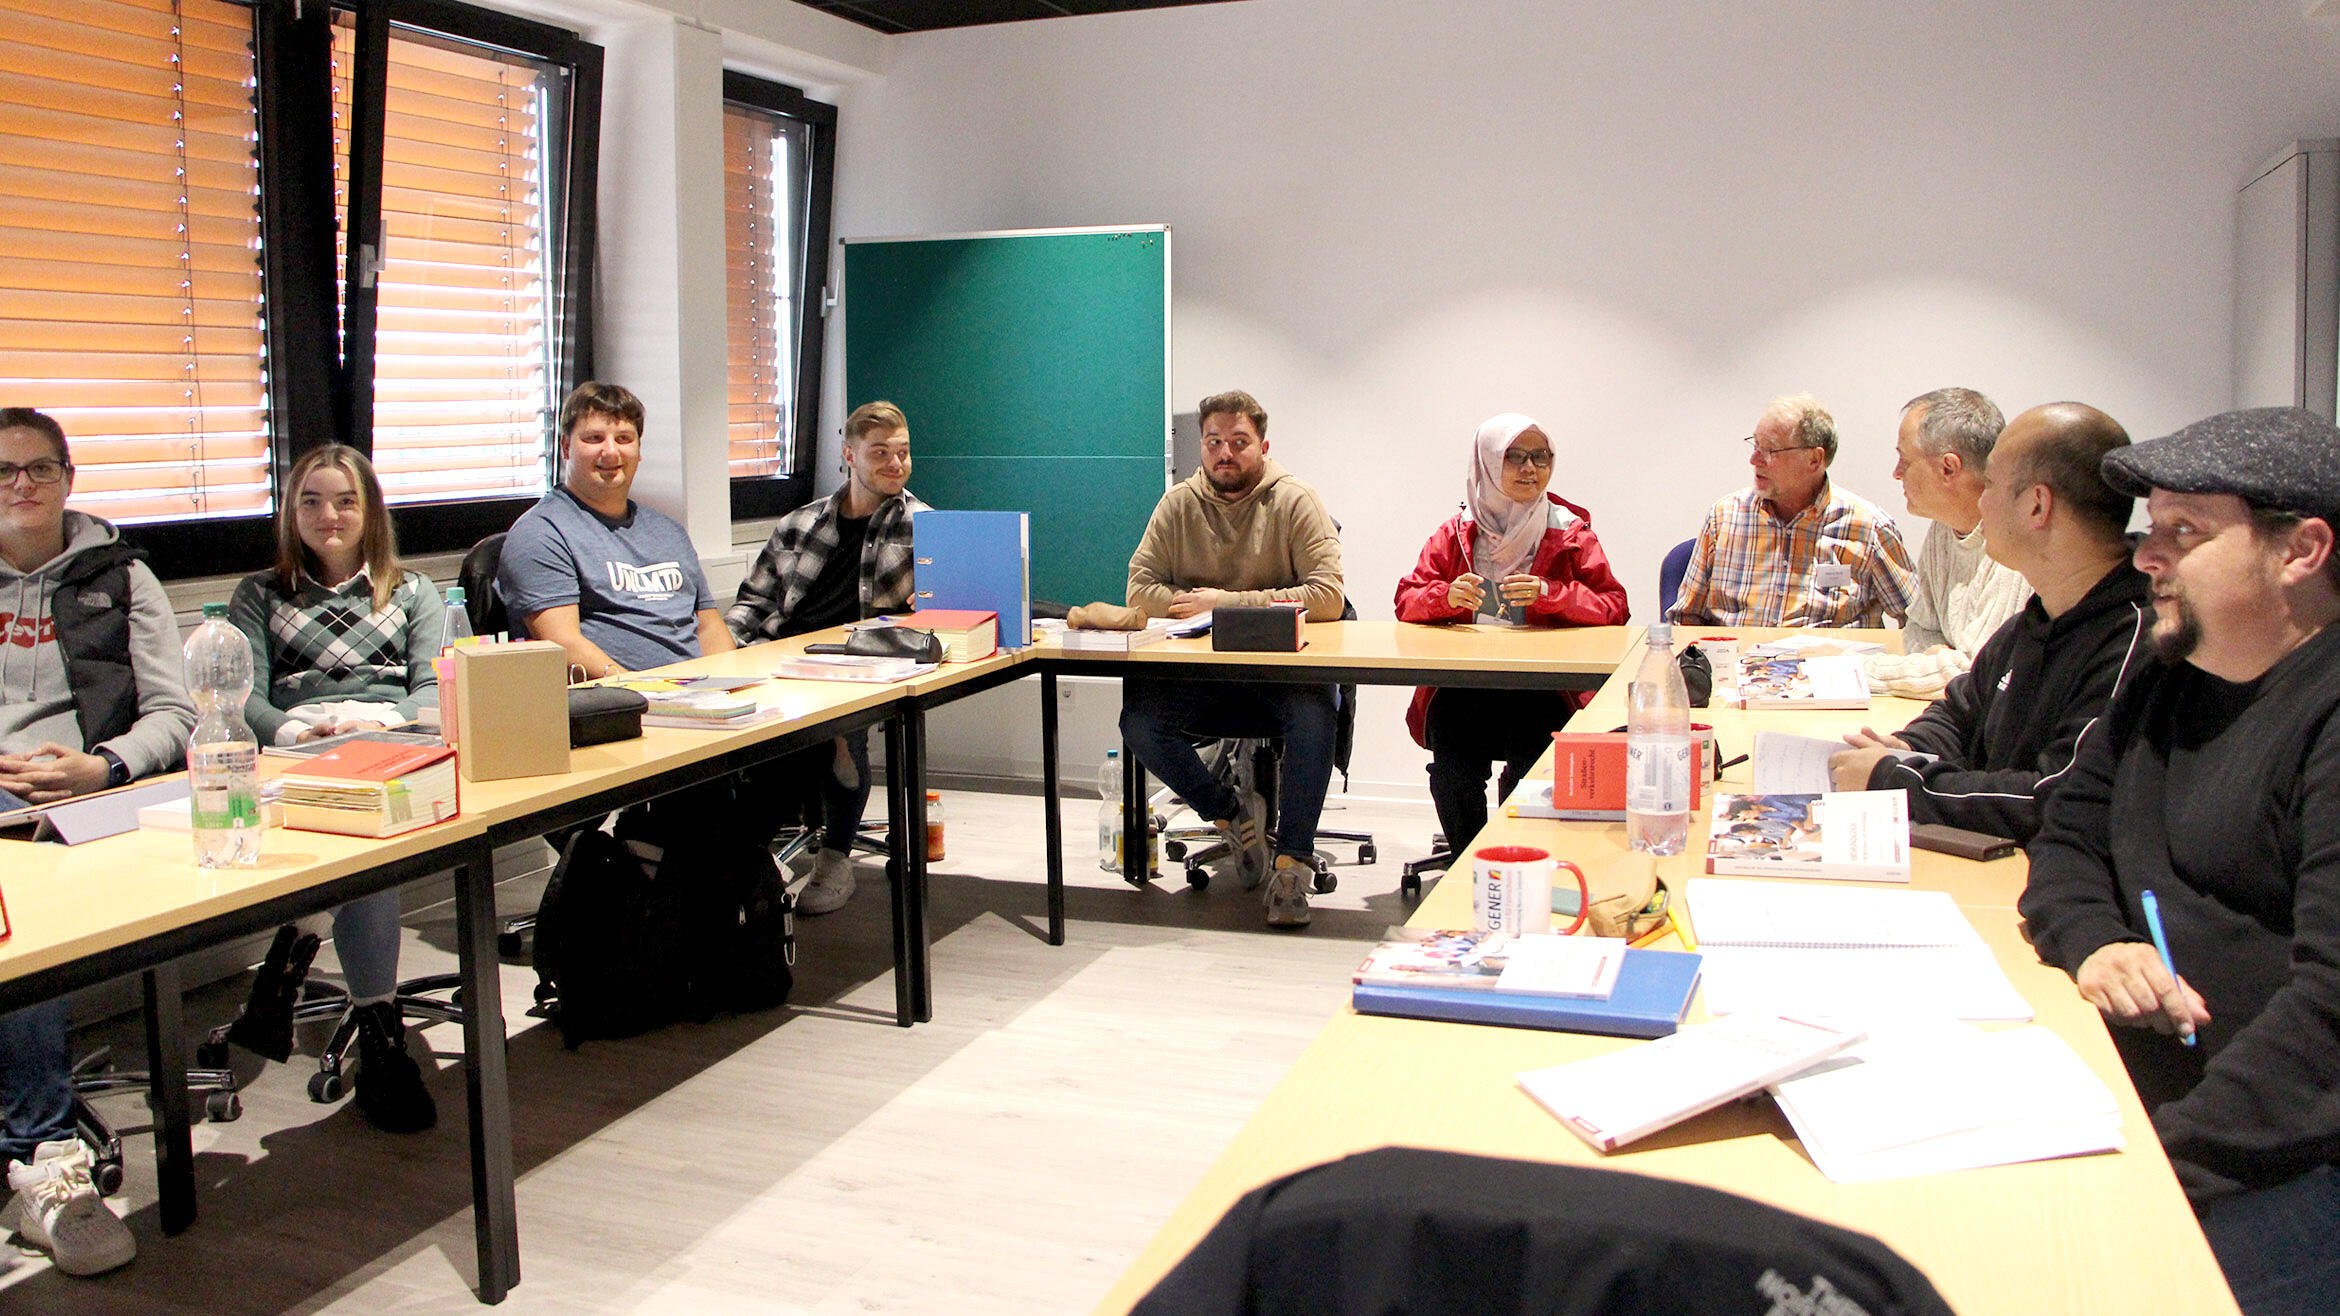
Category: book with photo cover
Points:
column 1462, row 959
column 1860, row 836
column 1772, row 680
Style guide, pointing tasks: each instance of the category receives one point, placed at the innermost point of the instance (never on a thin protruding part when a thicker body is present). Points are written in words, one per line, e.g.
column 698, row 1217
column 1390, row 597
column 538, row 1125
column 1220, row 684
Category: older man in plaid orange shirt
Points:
column 1793, row 549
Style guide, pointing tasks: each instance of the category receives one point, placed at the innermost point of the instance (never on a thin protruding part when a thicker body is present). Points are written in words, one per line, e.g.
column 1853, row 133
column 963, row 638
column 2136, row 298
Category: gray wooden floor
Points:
column 1011, row 1156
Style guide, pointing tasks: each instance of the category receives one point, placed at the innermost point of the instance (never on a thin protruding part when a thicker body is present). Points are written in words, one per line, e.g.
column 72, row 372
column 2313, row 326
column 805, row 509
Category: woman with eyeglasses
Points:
column 1515, row 555
column 342, row 640
column 91, row 695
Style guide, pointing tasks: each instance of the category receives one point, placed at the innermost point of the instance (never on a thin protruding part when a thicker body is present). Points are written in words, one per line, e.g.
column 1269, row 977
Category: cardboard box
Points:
column 511, row 710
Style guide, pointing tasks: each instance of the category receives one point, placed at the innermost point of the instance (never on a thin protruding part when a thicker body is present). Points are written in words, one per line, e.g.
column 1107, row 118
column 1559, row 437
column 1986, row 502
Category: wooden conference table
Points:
column 136, row 903
column 2097, row 1234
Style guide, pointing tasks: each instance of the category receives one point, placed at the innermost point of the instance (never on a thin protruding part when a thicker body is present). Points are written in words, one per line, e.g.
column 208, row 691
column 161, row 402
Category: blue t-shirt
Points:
column 635, row 582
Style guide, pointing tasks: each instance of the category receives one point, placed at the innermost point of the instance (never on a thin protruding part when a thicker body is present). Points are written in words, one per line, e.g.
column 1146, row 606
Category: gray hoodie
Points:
column 36, row 704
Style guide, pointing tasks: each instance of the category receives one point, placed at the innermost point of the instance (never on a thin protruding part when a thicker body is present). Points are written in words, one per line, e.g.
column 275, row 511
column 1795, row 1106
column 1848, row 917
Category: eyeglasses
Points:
column 46, row 470
column 1520, row 460
column 1768, row 454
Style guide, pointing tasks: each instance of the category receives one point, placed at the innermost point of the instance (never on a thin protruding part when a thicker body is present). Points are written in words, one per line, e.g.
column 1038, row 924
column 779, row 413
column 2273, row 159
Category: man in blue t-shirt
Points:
column 616, row 584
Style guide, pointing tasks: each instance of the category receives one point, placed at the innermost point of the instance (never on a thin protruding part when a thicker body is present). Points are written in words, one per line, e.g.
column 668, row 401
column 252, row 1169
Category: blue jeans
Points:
column 365, row 937
column 2278, row 1245
column 1162, row 720
column 36, row 1080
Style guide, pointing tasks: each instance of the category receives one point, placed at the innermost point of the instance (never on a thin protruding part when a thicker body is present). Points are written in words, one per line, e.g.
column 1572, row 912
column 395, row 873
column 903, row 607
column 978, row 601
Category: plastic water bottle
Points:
column 1657, row 751
column 1109, row 788
column 223, row 757
column 455, row 629
column 456, row 624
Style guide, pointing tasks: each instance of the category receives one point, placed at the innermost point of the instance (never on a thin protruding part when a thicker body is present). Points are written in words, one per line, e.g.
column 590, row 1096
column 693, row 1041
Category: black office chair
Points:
column 477, row 576
column 94, row 1076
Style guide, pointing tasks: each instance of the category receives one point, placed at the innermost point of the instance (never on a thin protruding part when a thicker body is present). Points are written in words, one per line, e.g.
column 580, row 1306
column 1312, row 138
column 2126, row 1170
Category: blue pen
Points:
column 2161, row 943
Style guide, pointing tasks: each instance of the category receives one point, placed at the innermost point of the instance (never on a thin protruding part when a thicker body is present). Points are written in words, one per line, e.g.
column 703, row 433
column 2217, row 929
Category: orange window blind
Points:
column 130, row 289
column 464, row 370
column 762, row 179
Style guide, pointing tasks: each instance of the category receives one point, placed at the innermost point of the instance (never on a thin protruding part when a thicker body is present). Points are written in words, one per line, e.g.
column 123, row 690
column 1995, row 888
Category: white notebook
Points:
column 1614, row 1099
column 1773, row 948
column 1927, row 1097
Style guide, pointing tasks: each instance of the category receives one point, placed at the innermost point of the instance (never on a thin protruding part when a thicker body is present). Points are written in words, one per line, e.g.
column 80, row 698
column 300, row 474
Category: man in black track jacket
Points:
column 2004, row 733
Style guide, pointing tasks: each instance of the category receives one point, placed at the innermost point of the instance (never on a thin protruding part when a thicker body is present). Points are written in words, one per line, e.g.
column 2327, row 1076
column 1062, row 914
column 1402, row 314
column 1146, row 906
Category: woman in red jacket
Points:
column 1514, row 556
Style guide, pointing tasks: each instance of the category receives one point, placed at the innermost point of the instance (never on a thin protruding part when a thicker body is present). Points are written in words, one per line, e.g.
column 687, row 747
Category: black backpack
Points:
column 677, row 916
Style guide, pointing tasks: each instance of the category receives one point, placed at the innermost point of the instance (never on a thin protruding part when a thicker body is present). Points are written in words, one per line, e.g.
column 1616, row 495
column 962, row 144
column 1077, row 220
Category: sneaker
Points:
column 1247, row 841
column 1287, row 892
column 390, row 1091
column 831, row 885
column 265, row 1025
column 59, row 1211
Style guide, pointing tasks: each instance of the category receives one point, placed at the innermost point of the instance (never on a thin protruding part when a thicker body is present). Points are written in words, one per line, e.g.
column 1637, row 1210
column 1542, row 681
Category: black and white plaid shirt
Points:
column 800, row 546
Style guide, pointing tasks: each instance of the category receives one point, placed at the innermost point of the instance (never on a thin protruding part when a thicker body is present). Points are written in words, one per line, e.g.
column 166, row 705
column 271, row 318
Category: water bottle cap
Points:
column 211, row 610
column 1660, row 633
column 455, row 594
column 1113, row 753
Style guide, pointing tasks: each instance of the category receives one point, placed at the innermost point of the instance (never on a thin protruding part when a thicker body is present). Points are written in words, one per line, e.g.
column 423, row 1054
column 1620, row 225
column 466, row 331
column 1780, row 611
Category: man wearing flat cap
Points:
column 2217, row 790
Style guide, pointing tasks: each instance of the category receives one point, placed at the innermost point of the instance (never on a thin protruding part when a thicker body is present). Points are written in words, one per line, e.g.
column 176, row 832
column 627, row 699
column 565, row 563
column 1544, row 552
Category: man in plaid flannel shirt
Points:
column 1793, row 549
column 835, row 560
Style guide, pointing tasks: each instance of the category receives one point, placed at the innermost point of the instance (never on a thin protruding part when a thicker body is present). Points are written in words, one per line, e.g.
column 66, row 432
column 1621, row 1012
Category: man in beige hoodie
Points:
column 1240, row 532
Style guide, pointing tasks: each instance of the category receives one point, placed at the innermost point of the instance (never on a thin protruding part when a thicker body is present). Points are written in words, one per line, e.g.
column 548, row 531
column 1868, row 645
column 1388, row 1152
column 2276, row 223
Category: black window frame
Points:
column 757, row 496
column 317, row 392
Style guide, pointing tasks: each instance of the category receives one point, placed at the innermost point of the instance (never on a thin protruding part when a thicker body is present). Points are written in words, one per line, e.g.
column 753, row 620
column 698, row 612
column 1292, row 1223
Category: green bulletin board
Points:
column 1035, row 369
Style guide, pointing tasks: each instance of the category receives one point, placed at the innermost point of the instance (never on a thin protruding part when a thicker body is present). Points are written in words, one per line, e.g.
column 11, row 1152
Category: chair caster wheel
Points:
column 1325, row 882
column 1199, row 878
column 220, row 1108
column 325, row 1088
column 1366, row 853
column 211, row 1055
column 1174, row 850
column 107, row 1176
column 509, row 945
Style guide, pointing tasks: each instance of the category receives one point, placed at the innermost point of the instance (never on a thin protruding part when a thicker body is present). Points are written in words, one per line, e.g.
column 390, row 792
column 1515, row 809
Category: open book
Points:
column 1829, row 951
column 1860, row 836
column 1617, row 1098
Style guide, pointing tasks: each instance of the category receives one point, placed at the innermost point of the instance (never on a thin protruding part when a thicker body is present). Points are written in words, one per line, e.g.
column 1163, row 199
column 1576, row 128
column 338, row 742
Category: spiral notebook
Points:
column 1774, row 948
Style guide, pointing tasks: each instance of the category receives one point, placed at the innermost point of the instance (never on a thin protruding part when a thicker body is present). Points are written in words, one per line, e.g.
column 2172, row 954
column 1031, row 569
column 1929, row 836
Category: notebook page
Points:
column 1953, row 982
column 1736, row 913
column 1613, row 1099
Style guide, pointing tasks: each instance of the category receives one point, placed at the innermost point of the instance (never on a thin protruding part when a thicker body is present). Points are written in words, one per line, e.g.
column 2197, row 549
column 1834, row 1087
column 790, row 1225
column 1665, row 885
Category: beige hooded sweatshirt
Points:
column 1275, row 544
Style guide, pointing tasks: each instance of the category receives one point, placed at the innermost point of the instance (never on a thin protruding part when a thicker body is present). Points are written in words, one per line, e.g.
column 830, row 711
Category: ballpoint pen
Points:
column 2161, row 946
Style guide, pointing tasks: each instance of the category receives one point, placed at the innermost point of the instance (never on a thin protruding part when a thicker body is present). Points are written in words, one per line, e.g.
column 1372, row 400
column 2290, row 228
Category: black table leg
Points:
column 487, row 1095
column 898, row 867
column 1137, row 849
column 166, row 1068
column 1052, row 804
column 921, row 945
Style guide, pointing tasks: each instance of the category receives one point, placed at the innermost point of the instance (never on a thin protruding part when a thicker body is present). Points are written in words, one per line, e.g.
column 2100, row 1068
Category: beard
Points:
column 1238, row 481
column 2175, row 641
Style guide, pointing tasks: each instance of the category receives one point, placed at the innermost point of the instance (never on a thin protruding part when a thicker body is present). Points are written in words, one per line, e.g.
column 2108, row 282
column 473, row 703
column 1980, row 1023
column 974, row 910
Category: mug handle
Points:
column 1583, row 896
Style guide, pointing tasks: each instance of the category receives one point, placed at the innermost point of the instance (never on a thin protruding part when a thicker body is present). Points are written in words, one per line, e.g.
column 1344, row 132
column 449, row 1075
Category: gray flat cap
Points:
column 2279, row 458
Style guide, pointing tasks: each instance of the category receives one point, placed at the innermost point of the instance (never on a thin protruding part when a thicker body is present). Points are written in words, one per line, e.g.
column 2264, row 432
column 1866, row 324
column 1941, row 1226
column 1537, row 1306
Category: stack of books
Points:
column 965, row 635
column 707, row 709
column 850, row 667
column 1574, row 984
column 370, row 789
column 1086, row 641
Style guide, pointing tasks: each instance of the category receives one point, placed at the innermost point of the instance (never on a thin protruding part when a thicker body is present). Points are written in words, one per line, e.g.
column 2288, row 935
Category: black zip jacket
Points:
column 2004, row 733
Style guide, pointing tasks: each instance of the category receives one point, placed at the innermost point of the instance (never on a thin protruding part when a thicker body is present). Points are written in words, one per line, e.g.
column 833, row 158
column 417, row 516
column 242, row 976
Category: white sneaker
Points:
column 59, row 1211
column 831, row 885
column 1287, row 892
column 1247, row 841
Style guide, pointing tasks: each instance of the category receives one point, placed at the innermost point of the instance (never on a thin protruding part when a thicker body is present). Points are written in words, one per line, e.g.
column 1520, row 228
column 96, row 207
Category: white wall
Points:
column 1395, row 217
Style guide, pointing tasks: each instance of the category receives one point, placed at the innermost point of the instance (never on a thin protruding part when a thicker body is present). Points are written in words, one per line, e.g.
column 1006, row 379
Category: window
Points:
column 466, row 366
column 231, row 231
column 130, row 289
column 778, row 147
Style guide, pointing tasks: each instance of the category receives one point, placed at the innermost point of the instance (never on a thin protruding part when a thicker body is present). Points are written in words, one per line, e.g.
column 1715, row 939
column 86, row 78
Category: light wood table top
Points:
column 1401, row 648
column 2099, row 1234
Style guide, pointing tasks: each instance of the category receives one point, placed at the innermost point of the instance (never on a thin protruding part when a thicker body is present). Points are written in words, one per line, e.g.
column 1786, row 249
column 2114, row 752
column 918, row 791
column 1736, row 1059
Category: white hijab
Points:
column 1508, row 532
